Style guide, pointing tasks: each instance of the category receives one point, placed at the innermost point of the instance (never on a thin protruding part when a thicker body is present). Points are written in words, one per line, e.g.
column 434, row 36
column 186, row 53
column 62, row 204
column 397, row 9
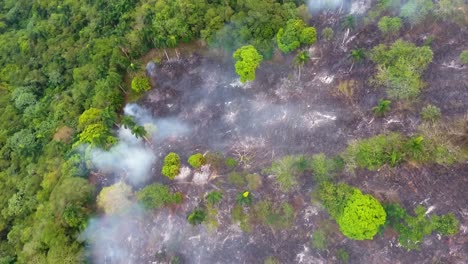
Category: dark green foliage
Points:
column 247, row 61
column 277, row 216
column 413, row 229
column 157, row 195
column 400, row 67
column 196, row 217
column 430, row 113
column 358, row 55
column 75, row 216
column 349, row 22
column 196, row 160
column 302, row 58
column 319, row 240
column 295, row 34
column 231, row 163
column 464, row 57
column 171, row 165
column 213, row 197
column 382, row 108
column 389, row 25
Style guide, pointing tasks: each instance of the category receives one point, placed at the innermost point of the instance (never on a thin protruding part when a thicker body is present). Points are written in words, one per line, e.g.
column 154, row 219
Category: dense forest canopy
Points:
column 62, row 90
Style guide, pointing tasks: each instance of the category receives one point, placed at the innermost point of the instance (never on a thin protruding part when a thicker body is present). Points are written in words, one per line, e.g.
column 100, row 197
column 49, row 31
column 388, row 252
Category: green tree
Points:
column 247, row 61
column 196, row 160
column 171, row 165
column 464, row 57
column 115, row 198
column 141, row 84
column 196, row 217
column 294, row 34
column 362, row 217
column 89, row 117
column 213, row 197
column 389, row 25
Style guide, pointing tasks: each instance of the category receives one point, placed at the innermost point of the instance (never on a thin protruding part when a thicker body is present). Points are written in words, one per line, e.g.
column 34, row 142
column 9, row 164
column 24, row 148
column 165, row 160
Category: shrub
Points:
column 430, row 113
column 286, row 171
column 349, row 22
column 294, row 34
column 342, row 255
column 213, row 197
column 196, row 160
column 196, row 217
column 400, row 67
column 445, row 224
column 382, row 108
column 171, row 166
column 362, row 217
column 319, row 240
column 327, row 34
column 157, row 196
column 334, row 197
column 244, row 198
column 141, row 84
column 277, row 216
column 231, row 163
column 253, row 181
column 236, row 179
column 358, row 55
column 464, row 57
column 389, row 25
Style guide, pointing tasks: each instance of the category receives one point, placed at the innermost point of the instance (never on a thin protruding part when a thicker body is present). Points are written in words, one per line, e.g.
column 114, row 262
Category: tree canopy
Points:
column 247, row 61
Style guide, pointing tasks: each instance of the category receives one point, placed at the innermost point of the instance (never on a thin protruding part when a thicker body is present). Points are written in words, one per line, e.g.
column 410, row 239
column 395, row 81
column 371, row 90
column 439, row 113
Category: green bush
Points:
column 430, row 113
column 237, row 179
column 231, row 163
column 362, row 217
column 445, row 224
column 171, row 165
column 327, row 34
column 358, row 55
column 342, row 255
column 294, row 34
column 286, row 170
column 213, row 197
column 157, row 196
column 244, row 198
column 196, row 217
column 197, row 160
column 254, row 181
column 334, row 197
column 324, row 168
column 349, row 22
column 389, row 25
column 382, row 108
column 464, row 57
column 413, row 229
column 400, row 67
column 276, row 216
column 141, row 84
column 319, row 240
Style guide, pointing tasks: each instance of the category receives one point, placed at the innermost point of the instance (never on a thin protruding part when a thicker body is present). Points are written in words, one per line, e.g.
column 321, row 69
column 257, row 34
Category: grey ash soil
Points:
column 281, row 114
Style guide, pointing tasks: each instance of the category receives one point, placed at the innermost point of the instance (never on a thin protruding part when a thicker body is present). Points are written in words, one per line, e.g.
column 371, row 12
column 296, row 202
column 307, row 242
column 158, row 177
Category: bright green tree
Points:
column 362, row 217
column 89, row 117
column 197, row 160
column 171, row 166
column 247, row 61
column 156, row 196
column 114, row 198
column 140, row 84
